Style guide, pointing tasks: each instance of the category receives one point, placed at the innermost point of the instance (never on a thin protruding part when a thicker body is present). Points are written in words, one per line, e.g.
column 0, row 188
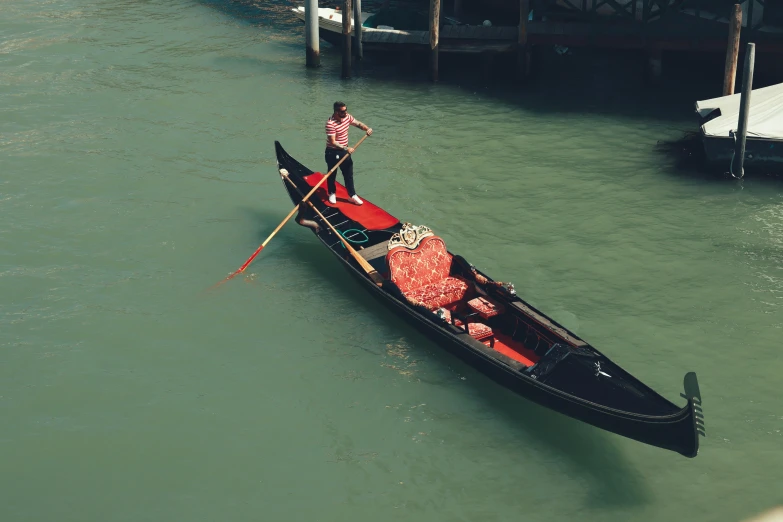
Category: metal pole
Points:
column 434, row 37
column 347, row 10
column 357, row 23
column 311, row 34
column 732, row 52
column 742, row 125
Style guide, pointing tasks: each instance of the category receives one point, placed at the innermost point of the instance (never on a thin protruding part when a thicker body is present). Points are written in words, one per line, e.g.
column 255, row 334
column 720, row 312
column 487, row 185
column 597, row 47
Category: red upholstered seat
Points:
column 442, row 293
column 422, row 274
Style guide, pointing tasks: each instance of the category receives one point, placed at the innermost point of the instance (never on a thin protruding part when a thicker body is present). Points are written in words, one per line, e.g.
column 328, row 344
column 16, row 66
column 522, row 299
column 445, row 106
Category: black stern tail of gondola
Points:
column 693, row 396
column 678, row 431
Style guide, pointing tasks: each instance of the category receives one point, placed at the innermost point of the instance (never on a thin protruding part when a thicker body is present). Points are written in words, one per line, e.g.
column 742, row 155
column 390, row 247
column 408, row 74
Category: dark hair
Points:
column 337, row 105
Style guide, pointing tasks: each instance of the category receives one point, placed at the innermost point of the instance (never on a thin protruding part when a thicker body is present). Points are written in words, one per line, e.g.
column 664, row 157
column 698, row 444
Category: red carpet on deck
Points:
column 505, row 345
column 370, row 216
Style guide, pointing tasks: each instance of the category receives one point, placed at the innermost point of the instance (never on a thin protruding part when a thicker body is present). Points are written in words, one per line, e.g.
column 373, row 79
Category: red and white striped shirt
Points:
column 338, row 130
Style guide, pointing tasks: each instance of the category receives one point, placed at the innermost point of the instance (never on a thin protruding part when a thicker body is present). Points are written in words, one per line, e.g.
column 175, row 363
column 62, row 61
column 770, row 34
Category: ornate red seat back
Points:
column 428, row 263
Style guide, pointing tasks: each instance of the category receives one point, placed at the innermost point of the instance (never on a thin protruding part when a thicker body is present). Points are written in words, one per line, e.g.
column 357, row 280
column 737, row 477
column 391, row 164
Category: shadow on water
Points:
column 611, row 480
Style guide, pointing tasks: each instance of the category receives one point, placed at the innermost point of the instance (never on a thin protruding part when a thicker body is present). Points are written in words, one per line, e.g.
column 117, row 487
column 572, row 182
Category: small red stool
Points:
column 485, row 307
column 479, row 331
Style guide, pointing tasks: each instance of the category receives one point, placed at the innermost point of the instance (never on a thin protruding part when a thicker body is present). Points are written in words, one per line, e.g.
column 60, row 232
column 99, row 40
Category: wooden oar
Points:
column 374, row 275
column 260, row 248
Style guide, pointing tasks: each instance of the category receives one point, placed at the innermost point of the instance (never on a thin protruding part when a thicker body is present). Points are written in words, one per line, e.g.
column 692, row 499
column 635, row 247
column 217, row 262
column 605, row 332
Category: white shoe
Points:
column 357, row 199
column 333, row 199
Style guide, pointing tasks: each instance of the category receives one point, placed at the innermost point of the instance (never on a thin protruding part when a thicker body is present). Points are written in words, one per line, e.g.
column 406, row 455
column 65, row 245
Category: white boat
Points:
column 330, row 20
column 764, row 145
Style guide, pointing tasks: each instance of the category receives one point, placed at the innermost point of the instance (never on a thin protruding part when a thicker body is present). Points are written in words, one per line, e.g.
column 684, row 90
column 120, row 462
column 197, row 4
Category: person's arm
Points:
column 330, row 139
column 357, row 123
column 331, row 135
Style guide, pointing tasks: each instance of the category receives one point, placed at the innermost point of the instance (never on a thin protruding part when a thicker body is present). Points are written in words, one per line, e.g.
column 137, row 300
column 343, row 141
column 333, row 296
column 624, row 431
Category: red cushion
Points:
column 442, row 293
column 429, row 263
column 479, row 330
column 476, row 330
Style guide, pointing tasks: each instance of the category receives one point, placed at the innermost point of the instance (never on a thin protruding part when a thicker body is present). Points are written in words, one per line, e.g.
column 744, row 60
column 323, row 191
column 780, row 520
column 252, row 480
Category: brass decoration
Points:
column 480, row 279
column 409, row 236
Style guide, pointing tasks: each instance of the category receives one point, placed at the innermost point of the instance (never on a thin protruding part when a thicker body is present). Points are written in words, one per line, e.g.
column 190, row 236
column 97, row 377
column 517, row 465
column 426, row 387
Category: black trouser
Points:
column 332, row 156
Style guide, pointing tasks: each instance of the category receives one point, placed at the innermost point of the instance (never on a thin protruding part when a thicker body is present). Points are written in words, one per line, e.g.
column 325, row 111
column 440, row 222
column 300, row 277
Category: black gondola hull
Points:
column 677, row 430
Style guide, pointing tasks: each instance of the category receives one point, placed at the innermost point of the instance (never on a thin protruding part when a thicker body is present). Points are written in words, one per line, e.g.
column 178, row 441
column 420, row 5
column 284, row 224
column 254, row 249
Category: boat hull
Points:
column 760, row 154
column 330, row 23
column 677, row 430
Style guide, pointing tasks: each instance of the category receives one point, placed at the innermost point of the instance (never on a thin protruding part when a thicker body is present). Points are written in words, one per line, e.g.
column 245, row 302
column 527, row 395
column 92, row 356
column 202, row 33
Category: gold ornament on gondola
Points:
column 482, row 280
column 409, row 236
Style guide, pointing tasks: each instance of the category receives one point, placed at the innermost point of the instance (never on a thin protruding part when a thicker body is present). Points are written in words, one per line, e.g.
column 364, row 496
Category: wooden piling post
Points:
column 732, row 52
column 347, row 11
column 312, row 46
column 357, row 23
column 523, row 56
column 434, row 37
column 742, row 124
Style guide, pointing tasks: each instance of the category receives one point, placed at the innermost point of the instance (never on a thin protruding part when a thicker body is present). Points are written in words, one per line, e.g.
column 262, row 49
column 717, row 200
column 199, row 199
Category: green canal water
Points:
column 137, row 169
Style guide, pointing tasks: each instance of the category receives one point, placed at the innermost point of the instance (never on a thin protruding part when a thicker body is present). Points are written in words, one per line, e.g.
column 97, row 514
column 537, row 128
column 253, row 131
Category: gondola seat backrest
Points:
column 422, row 273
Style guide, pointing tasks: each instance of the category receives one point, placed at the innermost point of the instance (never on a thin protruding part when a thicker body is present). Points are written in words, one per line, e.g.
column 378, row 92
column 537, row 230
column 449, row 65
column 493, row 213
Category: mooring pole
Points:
column 732, row 52
column 742, row 125
column 523, row 57
column 434, row 36
column 347, row 11
column 311, row 34
column 357, row 24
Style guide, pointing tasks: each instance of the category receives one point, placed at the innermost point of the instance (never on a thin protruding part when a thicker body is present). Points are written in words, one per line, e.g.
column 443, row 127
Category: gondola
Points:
column 485, row 323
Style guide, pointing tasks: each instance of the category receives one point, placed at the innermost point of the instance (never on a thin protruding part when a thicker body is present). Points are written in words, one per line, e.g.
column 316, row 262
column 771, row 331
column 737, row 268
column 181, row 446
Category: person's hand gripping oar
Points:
column 304, row 199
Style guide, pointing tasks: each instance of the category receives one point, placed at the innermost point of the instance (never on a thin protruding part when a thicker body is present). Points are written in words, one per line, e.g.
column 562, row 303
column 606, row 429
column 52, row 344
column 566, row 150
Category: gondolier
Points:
column 337, row 147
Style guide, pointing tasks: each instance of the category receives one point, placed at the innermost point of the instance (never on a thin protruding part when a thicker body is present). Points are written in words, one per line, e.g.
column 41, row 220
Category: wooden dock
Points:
column 687, row 33
column 453, row 38
column 650, row 26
